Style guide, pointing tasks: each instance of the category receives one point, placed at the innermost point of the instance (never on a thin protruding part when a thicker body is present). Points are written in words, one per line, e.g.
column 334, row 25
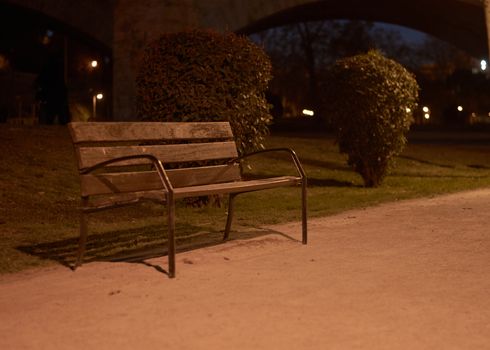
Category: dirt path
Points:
column 406, row 275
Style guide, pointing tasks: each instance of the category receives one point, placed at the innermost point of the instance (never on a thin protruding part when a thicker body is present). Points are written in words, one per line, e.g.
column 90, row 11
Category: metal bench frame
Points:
column 167, row 192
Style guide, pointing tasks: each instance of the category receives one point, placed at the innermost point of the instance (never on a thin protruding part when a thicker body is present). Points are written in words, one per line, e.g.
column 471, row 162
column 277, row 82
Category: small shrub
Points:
column 369, row 100
column 202, row 75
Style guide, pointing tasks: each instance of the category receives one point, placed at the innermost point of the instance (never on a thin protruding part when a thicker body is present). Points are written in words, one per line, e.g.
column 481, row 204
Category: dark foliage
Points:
column 202, row 75
column 369, row 99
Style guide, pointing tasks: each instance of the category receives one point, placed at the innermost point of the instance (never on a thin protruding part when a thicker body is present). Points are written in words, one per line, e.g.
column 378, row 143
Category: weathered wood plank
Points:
column 119, row 183
column 122, row 199
column 176, row 153
column 236, row 187
column 147, row 131
column 108, row 183
column 204, row 175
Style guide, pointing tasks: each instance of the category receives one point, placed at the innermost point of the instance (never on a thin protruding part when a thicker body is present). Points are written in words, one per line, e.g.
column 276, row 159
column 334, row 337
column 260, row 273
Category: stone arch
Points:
column 459, row 22
column 125, row 26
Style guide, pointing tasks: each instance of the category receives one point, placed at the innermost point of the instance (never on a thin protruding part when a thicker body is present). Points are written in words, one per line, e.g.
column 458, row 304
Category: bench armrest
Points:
column 156, row 162
column 296, row 161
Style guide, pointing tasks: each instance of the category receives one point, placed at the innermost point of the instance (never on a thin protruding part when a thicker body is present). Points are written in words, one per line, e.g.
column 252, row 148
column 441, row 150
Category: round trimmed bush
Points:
column 203, row 75
column 369, row 99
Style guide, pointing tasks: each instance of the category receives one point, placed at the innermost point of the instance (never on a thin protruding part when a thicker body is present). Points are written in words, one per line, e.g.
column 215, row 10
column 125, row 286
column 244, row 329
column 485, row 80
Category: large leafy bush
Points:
column 369, row 100
column 202, row 75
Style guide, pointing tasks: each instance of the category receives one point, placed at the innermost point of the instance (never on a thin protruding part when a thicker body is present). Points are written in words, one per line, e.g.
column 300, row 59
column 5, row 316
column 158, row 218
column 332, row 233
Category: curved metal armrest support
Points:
column 156, row 162
column 296, row 161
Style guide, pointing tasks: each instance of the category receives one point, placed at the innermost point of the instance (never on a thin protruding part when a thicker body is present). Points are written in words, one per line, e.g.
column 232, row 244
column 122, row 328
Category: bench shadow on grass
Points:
column 330, row 183
column 137, row 245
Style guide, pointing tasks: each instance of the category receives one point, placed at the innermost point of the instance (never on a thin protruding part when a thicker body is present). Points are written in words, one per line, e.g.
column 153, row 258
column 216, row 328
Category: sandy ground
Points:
column 407, row 275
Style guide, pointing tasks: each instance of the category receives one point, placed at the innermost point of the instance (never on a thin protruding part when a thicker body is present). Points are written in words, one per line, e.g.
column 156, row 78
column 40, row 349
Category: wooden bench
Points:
column 124, row 163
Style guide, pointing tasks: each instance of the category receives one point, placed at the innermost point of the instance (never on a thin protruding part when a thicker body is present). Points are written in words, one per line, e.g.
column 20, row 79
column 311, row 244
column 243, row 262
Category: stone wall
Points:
column 136, row 24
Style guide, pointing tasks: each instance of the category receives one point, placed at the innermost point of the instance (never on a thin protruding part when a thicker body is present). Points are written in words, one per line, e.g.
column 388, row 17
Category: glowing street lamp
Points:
column 94, row 63
column 460, row 108
column 483, row 65
column 426, row 111
column 95, row 97
column 308, row 112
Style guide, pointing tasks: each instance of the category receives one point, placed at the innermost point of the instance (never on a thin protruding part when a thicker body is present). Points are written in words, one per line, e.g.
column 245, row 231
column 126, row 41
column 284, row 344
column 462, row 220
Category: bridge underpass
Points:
column 125, row 26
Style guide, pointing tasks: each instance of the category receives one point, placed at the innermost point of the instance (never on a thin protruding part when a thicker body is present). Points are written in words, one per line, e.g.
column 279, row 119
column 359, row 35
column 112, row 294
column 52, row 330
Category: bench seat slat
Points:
column 148, row 131
column 196, row 191
column 175, row 153
column 107, row 183
column 122, row 199
column 236, row 187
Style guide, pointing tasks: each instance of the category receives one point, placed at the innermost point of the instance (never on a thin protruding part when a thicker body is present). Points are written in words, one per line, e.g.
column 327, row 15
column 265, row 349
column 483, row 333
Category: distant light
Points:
column 483, row 65
column 49, row 33
column 408, row 110
column 460, row 108
column 425, row 109
column 489, row 114
column 473, row 115
column 4, row 62
column 427, row 116
column 94, row 64
column 99, row 96
column 308, row 112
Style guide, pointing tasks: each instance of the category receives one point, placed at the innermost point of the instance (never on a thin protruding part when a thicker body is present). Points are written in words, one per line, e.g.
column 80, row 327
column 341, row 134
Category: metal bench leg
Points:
column 171, row 236
column 304, row 211
column 82, row 241
column 230, row 216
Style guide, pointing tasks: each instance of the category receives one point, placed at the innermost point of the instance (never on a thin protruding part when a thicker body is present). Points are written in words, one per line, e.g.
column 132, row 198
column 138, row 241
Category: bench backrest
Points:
column 172, row 143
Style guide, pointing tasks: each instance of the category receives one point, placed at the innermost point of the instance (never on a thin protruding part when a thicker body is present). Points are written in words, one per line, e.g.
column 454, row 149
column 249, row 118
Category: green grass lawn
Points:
column 39, row 195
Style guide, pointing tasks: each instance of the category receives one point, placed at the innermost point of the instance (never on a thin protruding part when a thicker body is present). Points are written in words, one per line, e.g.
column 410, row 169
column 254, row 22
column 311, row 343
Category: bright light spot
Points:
column 99, row 96
column 408, row 110
column 308, row 112
column 427, row 116
column 94, row 64
column 483, row 65
column 460, row 108
column 425, row 109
